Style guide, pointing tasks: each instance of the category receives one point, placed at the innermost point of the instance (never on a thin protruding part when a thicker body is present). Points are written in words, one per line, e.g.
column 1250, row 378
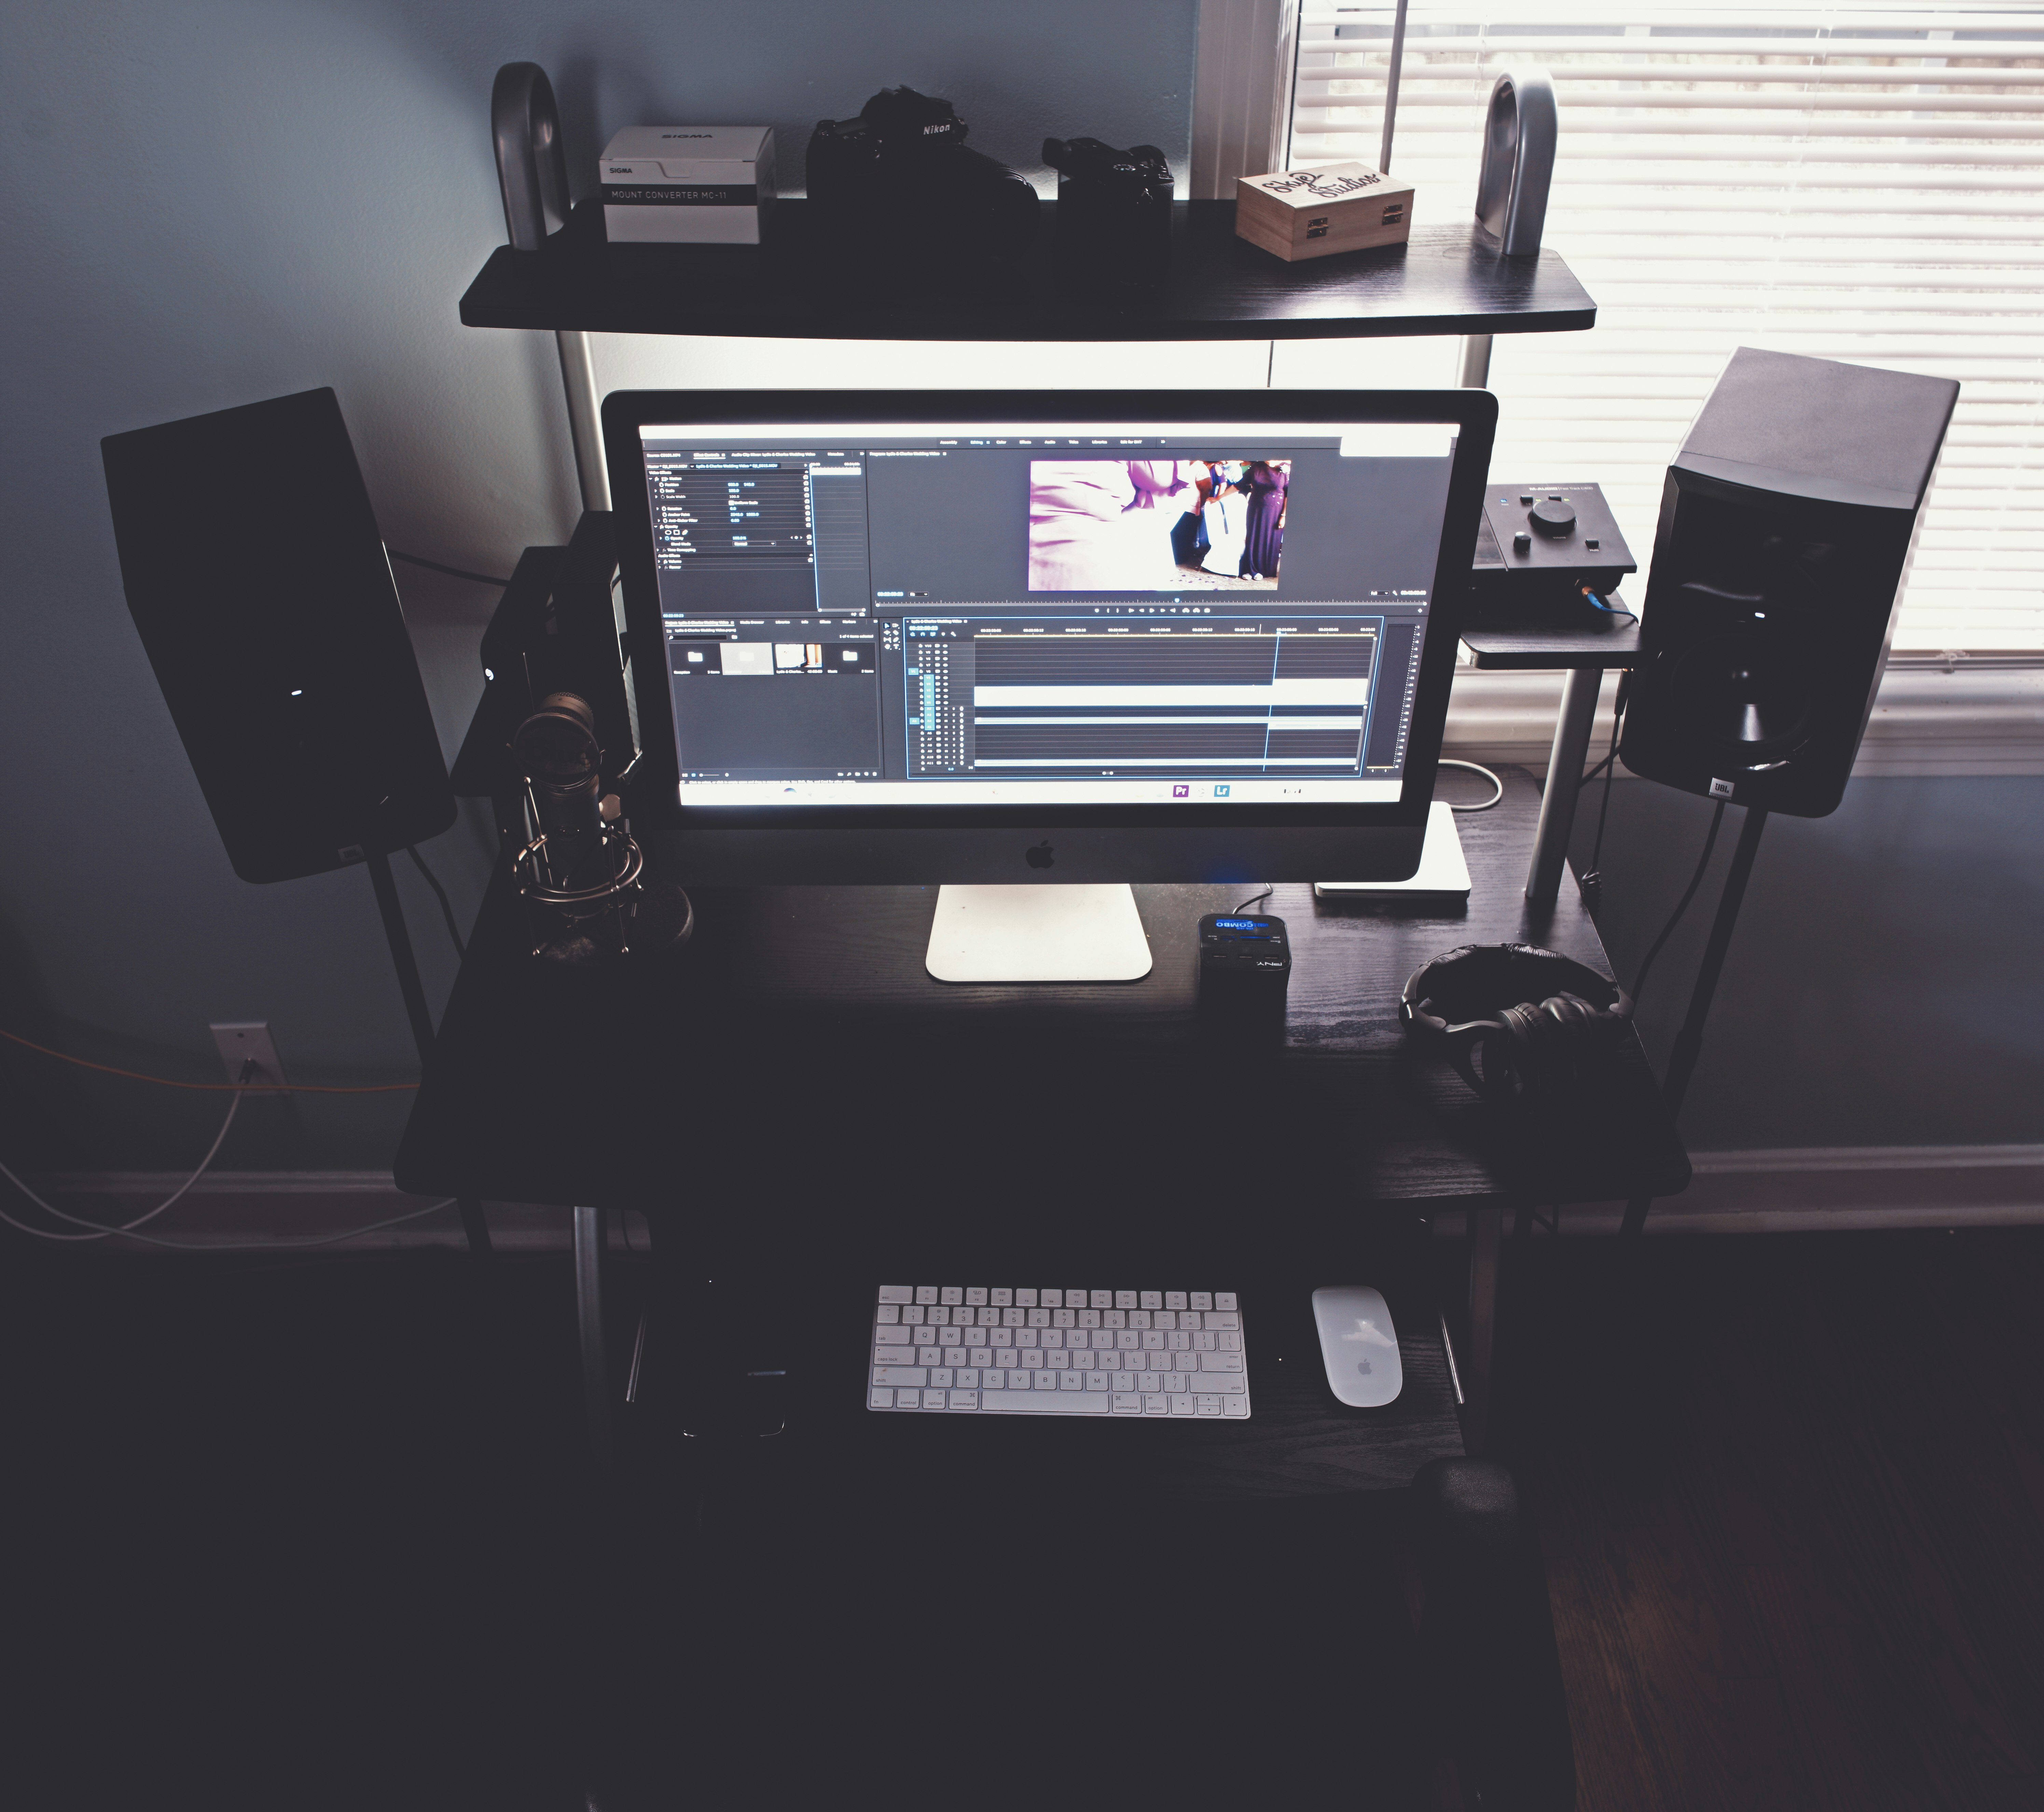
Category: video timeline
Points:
column 1258, row 701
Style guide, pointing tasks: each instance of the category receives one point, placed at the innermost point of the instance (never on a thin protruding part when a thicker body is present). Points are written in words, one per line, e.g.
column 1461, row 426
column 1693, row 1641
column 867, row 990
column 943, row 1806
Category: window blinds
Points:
column 1861, row 183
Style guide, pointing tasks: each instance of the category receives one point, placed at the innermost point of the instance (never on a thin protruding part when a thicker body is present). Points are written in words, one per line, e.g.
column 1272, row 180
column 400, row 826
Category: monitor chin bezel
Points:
column 742, row 832
column 1183, row 855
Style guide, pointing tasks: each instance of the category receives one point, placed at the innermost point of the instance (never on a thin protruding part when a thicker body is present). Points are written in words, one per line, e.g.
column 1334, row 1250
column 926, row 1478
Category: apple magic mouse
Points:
column 1358, row 1345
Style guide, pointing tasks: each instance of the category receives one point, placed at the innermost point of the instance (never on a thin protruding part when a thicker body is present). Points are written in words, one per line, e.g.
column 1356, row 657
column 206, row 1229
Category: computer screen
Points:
column 1045, row 613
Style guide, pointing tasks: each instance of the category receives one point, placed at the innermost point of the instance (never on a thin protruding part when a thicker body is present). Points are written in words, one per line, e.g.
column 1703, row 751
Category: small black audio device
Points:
column 556, row 630
column 1244, row 957
column 1547, row 552
column 1514, row 1020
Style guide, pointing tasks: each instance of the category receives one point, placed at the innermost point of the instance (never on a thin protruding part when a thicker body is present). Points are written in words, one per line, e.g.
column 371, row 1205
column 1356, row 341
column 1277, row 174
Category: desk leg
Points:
column 589, row 1236
column 1564, row 769
column 1486, row 1235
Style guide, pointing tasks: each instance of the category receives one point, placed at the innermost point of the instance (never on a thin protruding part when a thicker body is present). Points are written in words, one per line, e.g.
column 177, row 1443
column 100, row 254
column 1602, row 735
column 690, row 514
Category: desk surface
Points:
column 1299, row 1442
column 793, row 1094
column 794, row 1067
column 1447, row 280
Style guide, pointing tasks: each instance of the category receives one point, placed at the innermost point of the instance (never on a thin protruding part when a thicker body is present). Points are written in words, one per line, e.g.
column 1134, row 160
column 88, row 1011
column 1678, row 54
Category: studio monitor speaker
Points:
column 1787, row 524
column 260, row 586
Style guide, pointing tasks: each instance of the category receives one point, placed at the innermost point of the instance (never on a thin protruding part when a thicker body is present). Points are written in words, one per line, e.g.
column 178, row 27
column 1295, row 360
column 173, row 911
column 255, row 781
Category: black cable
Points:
column 1592, row 883
column 1675, row 918
column 447, row 909
column 1254, row 897
column 452, row 571
column 1590, row 778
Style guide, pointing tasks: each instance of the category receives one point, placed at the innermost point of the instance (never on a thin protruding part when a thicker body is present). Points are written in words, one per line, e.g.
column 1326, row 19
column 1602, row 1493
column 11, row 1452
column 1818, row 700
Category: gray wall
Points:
column 208, row 203
column 1885, row 984
column 212, row 201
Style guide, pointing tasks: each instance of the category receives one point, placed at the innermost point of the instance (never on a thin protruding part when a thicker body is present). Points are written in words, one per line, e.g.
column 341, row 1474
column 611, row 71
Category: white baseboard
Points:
column 278, row 1210
column 1835, row 1189
column 1804, row 1189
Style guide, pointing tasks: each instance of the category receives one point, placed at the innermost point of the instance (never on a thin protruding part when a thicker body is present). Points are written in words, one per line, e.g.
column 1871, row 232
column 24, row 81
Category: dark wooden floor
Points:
column 299, row 1534
column 1792, row 1508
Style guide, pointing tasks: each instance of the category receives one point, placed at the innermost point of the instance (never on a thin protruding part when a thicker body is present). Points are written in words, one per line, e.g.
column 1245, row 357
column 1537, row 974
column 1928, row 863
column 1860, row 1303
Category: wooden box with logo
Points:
column 1310, row 213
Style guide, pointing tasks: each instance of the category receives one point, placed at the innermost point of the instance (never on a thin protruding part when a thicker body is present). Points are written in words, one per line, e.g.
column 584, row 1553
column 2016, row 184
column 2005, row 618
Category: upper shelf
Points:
column 1219, row 287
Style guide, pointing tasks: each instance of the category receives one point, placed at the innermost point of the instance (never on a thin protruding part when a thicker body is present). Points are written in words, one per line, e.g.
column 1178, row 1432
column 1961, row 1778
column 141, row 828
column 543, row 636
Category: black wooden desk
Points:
column 793, row 1090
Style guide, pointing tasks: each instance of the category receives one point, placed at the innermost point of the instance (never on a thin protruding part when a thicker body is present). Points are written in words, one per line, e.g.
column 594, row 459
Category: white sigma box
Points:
column 688, row 185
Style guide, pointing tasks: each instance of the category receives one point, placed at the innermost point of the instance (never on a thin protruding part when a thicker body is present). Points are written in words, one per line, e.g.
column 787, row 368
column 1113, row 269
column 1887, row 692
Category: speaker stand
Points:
column 1689, row 1041
column 414, row 992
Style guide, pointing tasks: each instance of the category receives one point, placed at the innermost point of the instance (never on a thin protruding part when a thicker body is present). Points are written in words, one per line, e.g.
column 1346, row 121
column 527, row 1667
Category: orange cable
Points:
column 214, row 1087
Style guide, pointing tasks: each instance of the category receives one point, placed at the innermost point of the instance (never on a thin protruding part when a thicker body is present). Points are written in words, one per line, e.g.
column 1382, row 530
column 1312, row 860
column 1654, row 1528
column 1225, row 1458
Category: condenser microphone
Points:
column 581, row 875
column 555, row 750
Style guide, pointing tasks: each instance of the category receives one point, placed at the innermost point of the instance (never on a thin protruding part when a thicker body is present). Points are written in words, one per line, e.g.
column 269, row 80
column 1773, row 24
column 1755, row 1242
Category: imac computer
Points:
column 1033, row 646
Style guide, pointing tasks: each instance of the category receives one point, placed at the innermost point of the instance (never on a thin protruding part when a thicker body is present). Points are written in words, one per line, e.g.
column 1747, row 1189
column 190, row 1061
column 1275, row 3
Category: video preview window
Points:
column 1156, row 525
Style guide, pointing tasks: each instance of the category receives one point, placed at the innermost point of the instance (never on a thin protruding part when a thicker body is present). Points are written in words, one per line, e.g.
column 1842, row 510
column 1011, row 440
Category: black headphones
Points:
column 1559, row 1012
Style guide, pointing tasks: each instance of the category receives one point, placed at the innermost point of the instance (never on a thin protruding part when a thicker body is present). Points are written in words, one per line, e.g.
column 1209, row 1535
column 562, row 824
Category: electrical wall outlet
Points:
column 243, row 1042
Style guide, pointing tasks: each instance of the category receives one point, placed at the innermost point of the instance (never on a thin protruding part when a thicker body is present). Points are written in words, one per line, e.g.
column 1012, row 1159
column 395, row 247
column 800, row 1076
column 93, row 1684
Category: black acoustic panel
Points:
column 260, row 586
column 1785, row 530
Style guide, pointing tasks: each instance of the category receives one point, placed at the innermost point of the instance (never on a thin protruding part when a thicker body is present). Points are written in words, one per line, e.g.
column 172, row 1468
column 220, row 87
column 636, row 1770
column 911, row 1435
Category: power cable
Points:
column 219, row 1139
column 452, row 571
column 1592, row 884
column 1482, row 806
column 214, row 1087
column 447, row 908
column 1675, row 918
column 191, row 1245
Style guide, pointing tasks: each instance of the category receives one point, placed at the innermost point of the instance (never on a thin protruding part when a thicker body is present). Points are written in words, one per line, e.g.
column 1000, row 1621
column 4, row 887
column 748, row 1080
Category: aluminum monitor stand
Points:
column 1038, row 934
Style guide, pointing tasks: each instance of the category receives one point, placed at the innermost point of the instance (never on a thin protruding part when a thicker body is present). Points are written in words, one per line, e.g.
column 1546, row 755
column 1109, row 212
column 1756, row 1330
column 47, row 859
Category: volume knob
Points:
column 1553, row 518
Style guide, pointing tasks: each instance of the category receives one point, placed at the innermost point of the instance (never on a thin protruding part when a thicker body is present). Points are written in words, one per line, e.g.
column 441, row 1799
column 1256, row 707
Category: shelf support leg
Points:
column 1565, row 770
column 1476, row 361
column 589, row 1238
column 1391, row 87
column 585, row 418
column 1486, row 1229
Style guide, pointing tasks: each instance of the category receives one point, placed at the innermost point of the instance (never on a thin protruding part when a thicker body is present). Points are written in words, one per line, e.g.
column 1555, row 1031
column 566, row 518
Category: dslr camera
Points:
column 901, row 170
column 1114, row 207
column 1095, row 178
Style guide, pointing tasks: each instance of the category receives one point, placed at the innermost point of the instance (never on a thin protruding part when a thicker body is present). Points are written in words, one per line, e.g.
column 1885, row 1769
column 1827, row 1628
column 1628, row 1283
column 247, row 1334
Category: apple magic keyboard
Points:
column 1058, row 1352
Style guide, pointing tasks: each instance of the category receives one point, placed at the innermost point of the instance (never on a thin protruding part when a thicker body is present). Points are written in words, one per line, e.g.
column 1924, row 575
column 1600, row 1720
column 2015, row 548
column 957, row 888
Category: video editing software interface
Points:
column 1043, row 615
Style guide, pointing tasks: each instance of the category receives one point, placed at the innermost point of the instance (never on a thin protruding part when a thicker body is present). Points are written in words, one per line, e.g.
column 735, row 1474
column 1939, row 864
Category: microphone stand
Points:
column 414, row 992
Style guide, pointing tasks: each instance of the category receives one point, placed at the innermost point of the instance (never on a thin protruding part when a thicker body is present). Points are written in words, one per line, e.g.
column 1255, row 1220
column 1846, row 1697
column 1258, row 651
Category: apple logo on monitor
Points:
column 1041, row 857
